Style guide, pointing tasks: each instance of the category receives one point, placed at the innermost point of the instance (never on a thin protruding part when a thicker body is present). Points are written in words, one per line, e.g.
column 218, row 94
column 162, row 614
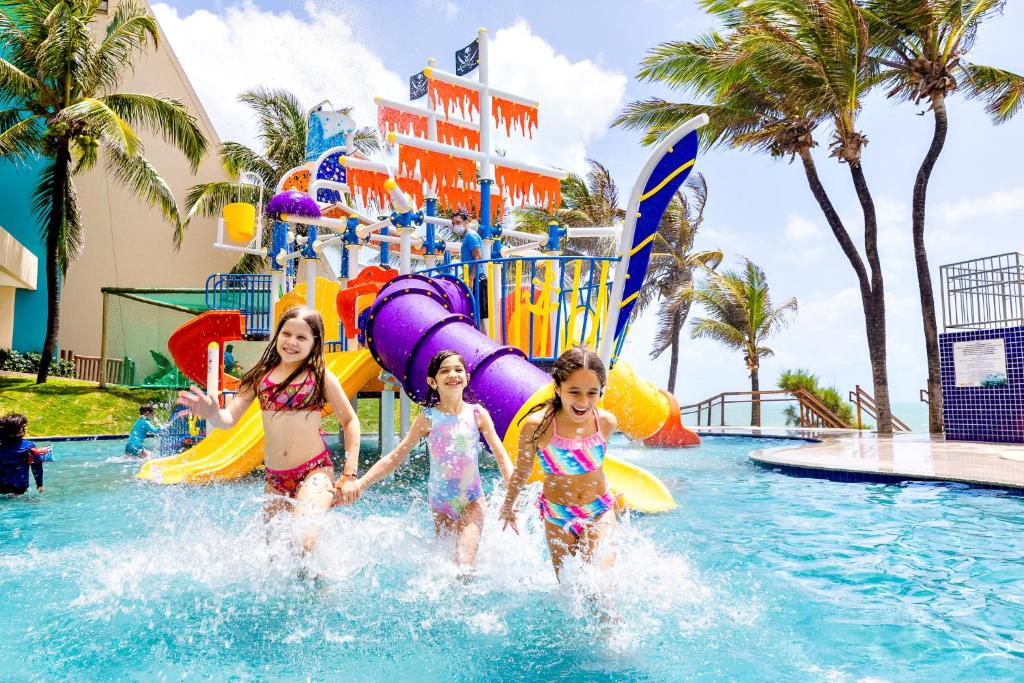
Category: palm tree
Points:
column 58, row 84
column 780, row 69
column 920, row 47
column 283, row 126
column 740, row 315
column 670, row 273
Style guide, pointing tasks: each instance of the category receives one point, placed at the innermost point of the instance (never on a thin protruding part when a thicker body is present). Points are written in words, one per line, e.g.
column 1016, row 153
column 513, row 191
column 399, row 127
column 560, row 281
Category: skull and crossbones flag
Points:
column 417, row 86
column 468, row 58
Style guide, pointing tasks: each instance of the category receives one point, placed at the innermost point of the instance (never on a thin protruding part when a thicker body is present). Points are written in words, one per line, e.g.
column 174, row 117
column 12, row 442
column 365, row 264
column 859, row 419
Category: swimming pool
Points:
column 757, row 576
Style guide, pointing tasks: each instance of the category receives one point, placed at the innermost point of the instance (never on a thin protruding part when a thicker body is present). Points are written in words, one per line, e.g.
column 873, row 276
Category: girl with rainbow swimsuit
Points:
column 569, row 435
column 452, row 428
column 292, row 386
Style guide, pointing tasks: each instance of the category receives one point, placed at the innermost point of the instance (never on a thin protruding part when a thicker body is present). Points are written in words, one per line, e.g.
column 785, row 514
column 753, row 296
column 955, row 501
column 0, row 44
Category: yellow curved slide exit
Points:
column 231, row 453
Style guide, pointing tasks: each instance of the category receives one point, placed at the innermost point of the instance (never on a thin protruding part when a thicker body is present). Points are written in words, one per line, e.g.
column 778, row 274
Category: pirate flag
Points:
column 468, row 58
column 417, row 86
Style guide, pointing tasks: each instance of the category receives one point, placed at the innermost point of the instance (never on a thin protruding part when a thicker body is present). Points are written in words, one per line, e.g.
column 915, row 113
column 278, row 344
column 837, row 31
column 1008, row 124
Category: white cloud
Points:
column 442, row 8
column 303, row 50
column 995, row 203
column 577, row 99
column 802, row 228
column 244, row 46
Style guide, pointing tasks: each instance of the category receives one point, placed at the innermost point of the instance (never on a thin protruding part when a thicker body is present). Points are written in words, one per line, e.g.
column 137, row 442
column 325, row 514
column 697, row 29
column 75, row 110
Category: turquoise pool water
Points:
column 757, row 576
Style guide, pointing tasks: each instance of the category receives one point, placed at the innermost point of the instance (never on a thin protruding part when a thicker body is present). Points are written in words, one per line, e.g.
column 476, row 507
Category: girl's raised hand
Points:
column 199, row 402
column 508, row 518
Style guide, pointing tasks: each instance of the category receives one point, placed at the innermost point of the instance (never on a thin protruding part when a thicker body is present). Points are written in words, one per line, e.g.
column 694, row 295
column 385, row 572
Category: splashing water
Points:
column 756, row 576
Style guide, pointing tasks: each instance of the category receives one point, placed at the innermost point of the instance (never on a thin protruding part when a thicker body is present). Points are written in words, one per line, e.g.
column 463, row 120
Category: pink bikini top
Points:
column 292, row 397
column 573, row 456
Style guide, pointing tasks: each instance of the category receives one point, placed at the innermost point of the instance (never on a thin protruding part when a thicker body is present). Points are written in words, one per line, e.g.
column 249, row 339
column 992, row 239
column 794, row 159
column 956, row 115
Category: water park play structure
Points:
column 339, row 211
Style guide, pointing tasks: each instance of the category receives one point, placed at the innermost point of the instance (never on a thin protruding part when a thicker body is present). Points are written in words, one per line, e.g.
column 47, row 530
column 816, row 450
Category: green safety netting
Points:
column 137, row 325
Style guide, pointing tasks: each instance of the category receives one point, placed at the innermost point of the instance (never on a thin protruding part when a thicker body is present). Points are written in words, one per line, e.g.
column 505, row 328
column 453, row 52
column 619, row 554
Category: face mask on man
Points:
column 459, row 227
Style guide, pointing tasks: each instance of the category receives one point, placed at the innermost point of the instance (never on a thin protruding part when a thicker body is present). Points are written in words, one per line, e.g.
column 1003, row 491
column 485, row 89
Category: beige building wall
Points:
column 19, row 269
column 127, row 243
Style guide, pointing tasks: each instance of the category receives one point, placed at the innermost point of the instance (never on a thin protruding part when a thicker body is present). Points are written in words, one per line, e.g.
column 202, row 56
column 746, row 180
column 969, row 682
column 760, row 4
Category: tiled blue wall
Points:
column 979, row 413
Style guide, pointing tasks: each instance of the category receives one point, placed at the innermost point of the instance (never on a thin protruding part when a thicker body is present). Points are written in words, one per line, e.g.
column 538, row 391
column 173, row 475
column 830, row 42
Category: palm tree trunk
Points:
column 54, row 230
column 924, row 280
column 755, row 403
column 673, row 364
column 873, row 321
column 876, row 325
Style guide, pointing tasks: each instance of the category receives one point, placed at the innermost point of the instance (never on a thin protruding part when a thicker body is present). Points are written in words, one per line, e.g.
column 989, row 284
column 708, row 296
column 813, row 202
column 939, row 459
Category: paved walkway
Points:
column 859, row 455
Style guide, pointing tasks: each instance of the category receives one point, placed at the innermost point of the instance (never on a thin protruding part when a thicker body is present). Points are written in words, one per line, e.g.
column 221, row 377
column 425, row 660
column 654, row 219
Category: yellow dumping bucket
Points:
column 240, row 222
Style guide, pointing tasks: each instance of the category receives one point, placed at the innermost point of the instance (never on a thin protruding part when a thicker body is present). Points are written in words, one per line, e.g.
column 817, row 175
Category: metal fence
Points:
column 248, row 293
column 542, row 305
column 983, row 293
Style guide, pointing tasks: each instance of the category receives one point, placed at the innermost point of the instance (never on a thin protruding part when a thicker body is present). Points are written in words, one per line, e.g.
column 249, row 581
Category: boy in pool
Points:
column 17, row 454
column 142, row 428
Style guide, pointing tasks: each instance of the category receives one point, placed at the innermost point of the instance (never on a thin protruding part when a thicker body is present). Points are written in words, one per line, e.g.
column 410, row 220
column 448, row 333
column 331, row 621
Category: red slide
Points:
column 188, row 344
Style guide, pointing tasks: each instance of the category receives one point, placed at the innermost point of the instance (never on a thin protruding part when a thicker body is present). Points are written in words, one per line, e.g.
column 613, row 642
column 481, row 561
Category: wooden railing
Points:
column 812, row 412
column 88, row 368
column 865, row 403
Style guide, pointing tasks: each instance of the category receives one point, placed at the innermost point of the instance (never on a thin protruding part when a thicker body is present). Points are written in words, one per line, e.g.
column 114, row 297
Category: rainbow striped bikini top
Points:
column 573, row 456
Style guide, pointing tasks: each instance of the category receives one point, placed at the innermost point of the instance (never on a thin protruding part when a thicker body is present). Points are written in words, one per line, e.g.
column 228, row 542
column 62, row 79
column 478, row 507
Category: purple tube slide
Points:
column 414, row 317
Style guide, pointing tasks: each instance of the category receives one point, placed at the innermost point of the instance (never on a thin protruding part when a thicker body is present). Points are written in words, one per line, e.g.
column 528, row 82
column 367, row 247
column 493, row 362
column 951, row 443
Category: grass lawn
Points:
column 71, row 407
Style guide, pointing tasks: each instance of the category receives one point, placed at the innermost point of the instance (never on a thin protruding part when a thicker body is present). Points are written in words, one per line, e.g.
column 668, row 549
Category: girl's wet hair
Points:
column 12, row 427
column 434, row 367
column 313, row 363
column 576, row 358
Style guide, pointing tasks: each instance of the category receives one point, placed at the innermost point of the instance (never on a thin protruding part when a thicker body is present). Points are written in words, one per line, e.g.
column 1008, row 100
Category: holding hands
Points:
column 347, row 490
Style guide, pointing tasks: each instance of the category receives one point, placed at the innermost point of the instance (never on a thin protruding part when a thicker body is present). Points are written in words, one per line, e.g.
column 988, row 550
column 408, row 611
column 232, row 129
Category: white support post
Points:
column 485, row 109
column 387, row 421
column 276, row 277
column 311, row 283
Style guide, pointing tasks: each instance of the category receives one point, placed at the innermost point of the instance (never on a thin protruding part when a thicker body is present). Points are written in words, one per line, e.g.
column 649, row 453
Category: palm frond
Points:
column 16, row 83
column 1001, row 90
column 21, row 138
column 130, row 30
column 236, row 159
column 163, row 116
column 138, row 175
column 95, row 116
column 55, row 203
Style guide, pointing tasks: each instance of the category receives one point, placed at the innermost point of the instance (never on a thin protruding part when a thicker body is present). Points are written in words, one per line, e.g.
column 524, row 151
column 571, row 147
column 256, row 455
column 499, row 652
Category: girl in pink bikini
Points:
column 452, row 428
column 569, row 436
column 292, row 387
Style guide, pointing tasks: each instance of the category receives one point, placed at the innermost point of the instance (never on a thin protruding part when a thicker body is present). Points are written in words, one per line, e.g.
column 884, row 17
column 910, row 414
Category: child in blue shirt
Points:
column 142, row 428
column 17, row 455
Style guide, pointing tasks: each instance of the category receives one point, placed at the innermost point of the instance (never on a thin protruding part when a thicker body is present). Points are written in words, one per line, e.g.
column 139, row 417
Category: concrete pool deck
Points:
column 849, row 455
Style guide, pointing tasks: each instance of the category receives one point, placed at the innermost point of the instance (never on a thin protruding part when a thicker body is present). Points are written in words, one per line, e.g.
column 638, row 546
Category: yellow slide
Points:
column 235, row 452
column 642, row 491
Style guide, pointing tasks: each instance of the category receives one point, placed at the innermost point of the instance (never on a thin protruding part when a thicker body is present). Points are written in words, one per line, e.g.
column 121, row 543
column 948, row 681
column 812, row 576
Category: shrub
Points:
column 15, row 361
column 792, row 380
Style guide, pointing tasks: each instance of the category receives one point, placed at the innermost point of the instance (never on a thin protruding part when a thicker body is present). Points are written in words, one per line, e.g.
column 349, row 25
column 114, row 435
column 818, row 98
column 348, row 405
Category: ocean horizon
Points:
column 913, row 413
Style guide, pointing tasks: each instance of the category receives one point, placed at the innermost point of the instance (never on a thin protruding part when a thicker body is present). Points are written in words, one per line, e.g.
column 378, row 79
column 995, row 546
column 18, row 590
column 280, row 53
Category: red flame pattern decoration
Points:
column 458, row 136
column 447, row 96
column 517, row 186
column 508, row 113
column 392, row 120
column 369, row 187
column 436, row 168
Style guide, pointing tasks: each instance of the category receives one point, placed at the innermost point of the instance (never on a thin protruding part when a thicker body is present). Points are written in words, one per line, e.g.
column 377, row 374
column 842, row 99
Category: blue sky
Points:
column 579, row 58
